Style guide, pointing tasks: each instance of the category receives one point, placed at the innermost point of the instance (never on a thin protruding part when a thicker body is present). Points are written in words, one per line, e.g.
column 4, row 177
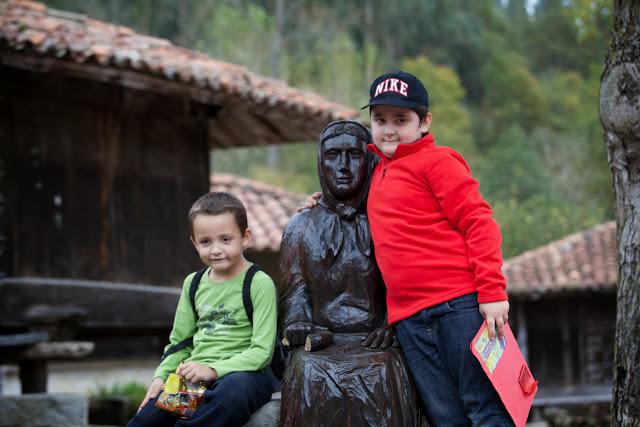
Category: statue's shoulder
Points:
column 300, row 223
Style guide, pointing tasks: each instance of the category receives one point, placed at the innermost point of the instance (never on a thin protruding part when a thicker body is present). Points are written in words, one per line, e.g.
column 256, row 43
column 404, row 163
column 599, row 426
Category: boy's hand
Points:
column 195, row 372
column 497, row 315
column 154, row 390
column 310, row 202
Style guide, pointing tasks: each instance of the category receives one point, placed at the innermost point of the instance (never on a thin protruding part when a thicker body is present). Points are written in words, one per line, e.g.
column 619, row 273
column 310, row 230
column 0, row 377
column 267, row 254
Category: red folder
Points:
column 502, row 361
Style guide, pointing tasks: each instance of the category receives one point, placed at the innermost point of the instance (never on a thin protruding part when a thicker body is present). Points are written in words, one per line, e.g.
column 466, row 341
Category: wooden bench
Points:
column 50, row 338
column 79, row 315
column 32, row 351
column 573, row 395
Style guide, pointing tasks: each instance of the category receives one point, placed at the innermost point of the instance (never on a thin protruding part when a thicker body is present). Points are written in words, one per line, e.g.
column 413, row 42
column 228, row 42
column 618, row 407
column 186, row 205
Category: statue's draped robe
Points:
column 344, row 384
column 331, row 280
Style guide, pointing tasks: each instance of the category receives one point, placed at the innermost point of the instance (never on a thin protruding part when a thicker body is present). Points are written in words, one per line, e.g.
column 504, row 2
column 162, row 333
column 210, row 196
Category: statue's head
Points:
column 344, row 163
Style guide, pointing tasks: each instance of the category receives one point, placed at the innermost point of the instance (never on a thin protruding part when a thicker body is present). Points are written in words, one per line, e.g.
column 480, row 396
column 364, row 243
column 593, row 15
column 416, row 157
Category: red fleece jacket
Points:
column 434, row 236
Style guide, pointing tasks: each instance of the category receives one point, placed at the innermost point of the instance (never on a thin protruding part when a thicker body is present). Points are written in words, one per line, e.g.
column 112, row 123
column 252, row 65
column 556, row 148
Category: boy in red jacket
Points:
column 438, row 249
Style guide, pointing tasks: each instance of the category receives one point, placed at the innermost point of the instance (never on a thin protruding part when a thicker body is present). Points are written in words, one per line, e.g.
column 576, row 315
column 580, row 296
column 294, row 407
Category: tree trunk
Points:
column 620, row 116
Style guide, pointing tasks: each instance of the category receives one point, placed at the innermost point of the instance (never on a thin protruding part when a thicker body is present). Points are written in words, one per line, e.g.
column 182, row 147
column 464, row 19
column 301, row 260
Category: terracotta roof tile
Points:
column 33, row 28
column 583, row 261
column 269, row 208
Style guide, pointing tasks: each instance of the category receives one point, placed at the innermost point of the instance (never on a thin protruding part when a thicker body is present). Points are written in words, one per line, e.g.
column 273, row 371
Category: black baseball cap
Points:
column 400, row 89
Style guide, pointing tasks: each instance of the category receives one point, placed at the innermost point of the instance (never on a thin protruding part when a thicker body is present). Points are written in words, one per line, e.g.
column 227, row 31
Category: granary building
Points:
column 105, row 139
column 563, row 311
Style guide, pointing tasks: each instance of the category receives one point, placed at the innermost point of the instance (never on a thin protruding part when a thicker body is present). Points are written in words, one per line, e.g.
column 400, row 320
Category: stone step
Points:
column 268, row 415
column 44, row 410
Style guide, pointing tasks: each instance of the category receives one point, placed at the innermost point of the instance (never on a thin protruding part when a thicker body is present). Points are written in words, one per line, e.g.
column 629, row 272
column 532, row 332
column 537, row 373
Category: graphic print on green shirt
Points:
column 218, row 342
column 214, row 321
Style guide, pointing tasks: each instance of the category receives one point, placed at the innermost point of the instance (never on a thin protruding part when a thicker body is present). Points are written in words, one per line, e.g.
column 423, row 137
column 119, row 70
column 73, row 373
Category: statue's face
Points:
column 344, row 165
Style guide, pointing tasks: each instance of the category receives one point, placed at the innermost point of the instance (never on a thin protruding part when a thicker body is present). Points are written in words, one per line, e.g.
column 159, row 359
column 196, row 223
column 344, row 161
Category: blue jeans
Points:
column 453, row 388
column 229, row 401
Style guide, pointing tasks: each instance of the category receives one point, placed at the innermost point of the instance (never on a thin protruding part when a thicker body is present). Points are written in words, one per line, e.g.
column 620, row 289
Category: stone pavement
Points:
column 86, row 376
column 38, row 410
column 71, row 383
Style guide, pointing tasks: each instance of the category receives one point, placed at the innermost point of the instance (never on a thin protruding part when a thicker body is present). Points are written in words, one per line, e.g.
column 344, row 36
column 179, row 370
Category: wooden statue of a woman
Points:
column 332, row 301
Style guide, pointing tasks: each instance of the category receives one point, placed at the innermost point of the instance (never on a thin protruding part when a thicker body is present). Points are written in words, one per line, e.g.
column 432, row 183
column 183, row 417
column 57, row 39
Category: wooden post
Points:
column 567, row 362
column 523, row 333
column 6, row 146
column 33, row 376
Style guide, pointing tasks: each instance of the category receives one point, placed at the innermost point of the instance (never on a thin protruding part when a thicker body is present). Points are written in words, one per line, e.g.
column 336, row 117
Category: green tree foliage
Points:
column 512, row 170
column 528, row 203
column 568, row 141
column 336, row 67
column 539, row 220
column 515, row 13
column 451, row 120
column 569, row 35
column 457, row 33
column 514, row 90
column 241, row 35
column 512, row 96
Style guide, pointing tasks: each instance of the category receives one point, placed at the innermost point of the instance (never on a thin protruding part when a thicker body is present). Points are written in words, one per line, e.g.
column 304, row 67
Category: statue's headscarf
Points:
column 332, row 235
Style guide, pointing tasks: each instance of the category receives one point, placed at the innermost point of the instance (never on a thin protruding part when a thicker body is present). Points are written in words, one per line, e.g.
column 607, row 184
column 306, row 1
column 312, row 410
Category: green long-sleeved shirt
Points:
column 224, row 338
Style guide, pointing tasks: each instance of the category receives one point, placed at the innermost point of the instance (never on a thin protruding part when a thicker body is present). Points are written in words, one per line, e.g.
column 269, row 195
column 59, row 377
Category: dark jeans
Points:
column 454, row 389
column 229, row 401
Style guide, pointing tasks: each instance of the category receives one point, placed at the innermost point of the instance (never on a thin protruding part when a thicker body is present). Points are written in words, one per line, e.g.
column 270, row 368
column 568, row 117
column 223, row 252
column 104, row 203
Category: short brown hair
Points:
column 421, row 111
column 217, row 203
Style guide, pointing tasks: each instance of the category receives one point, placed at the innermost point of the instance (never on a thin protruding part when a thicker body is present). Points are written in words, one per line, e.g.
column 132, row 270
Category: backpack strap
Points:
column 278, row 363
column 195, row 282
column 193, row 288
column 182, row 344
column 246, row 290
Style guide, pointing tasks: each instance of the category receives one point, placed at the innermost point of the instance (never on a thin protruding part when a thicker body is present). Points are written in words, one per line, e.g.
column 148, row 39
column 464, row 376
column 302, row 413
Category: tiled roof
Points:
column 581, row 261
column 256, row 109
column 269, row 208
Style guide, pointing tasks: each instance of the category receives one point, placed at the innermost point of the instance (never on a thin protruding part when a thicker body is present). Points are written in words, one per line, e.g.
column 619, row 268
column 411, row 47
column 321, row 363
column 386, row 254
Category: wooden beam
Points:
column 523, row 332
column 110, row 307
column 237, row 130
column 60, row 350
column 109, row 74
column 289, row 122
column 23, row 339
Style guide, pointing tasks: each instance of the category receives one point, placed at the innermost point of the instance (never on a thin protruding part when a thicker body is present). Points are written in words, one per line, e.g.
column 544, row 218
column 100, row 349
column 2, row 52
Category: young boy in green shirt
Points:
column 229, row 352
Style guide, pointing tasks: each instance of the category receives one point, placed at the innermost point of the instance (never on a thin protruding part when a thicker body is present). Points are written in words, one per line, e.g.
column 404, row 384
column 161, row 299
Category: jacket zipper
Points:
column 384, row 171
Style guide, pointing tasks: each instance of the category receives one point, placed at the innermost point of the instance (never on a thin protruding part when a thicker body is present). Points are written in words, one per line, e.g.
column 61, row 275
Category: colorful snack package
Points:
column 181, row 397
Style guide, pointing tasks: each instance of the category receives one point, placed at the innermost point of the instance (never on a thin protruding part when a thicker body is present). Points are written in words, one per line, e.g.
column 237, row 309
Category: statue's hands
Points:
column 318, row 340
column 296, row 333
column 381, row 337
